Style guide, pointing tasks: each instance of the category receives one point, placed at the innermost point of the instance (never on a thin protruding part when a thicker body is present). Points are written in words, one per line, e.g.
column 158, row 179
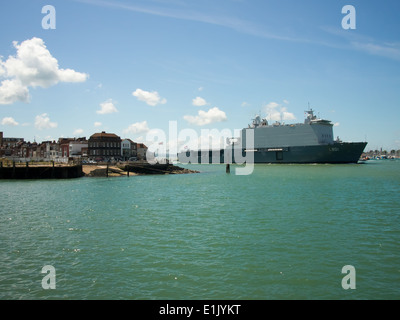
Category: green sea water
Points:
column 283, row 232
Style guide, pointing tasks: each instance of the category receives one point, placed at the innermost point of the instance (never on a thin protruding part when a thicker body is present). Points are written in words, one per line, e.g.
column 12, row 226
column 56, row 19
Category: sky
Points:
column 210, row 66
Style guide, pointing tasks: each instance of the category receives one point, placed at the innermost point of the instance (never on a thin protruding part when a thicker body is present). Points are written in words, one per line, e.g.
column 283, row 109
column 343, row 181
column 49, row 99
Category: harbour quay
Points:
column 51, row 170
column 40, row 171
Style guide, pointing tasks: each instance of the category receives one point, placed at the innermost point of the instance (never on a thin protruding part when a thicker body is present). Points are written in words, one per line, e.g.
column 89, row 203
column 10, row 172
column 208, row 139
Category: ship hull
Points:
column 349, row 152
column 336, row 153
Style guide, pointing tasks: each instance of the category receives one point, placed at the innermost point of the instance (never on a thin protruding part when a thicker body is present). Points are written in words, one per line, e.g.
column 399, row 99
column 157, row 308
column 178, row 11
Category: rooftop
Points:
column 103, row 134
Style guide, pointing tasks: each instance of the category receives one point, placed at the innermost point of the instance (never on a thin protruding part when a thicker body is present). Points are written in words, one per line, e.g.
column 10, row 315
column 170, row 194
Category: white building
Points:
column 128, row 149
column 75, row 148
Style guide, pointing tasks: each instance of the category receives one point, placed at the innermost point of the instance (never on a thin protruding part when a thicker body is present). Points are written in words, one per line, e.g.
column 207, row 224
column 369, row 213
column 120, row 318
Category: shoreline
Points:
column 104, row 170
column 66, row 171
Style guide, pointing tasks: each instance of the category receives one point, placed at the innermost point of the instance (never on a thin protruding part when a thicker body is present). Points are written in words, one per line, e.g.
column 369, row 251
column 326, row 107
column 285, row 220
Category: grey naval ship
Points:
column 308, row 142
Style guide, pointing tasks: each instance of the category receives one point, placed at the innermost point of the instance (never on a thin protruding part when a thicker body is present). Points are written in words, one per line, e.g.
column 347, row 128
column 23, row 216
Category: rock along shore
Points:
column 132, row 169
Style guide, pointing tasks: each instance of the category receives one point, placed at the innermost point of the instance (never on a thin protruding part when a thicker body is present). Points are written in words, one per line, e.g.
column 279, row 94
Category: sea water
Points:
column 283, row 232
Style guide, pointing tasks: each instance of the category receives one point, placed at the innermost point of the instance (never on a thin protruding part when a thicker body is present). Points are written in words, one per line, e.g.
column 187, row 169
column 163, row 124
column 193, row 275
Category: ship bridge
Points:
column 312, row 119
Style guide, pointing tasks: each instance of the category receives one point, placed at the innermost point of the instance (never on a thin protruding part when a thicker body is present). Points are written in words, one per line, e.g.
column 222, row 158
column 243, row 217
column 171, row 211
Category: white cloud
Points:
column 9, row 121
column 272, row 105
column 137, row 128
column 49, row 138
column 77, row 132
column 276, row 112
column 288, row 116
column 32, row 66
column 43, row 122
column 107, row 107
column 336, row 124
column 245, row 104
column 12, row 91
column 206, row 117
column 388, row 50
column 97, row 124
column 272, row 112
column 199, row 102
column 151, row 98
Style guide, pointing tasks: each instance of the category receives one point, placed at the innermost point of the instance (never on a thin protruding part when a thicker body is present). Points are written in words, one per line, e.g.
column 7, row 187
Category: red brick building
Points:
column 104, row 146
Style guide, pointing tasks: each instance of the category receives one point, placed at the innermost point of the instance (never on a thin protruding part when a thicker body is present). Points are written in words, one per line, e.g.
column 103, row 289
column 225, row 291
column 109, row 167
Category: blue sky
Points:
column 130, row 67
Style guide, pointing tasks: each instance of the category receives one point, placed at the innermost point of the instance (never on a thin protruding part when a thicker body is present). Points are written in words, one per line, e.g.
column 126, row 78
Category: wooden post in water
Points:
column 107, row 170
column 228, row 168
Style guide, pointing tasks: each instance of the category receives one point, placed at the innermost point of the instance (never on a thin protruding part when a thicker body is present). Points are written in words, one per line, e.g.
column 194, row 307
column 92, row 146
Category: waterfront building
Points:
column 64, row 146
column 128, row 149
column 104, row 146
column 141, row 151
column 50, row 150
column 11, row 142
column 76, row 147
column 10, row 147
column 71, row 147
column 84, row 152
column 26, row 150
